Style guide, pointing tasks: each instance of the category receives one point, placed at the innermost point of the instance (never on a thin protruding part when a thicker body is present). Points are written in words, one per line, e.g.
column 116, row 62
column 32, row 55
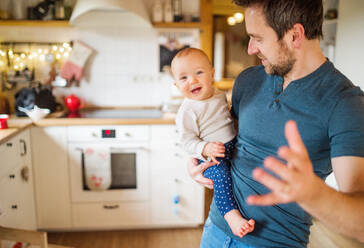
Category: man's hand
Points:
column 213, row 150
column 298, row 181
column 195, row 170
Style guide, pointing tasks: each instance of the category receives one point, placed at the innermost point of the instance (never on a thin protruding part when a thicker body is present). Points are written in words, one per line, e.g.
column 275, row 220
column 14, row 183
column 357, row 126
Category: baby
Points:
column 206, row 130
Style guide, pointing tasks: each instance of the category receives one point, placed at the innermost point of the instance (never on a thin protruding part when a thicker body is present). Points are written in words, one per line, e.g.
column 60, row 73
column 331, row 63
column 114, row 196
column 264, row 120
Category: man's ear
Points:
column 298, row 34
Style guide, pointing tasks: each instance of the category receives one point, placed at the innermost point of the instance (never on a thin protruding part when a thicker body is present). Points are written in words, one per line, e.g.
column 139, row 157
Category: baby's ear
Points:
column 213, row 72
column 175, row 83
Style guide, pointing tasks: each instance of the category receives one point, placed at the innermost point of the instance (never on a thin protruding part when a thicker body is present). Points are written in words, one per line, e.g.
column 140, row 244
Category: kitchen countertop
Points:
column 15, row 126
column 18, row 124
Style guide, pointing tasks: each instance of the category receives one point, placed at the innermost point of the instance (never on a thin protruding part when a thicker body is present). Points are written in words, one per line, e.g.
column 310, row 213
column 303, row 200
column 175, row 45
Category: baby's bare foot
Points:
column 239, row 226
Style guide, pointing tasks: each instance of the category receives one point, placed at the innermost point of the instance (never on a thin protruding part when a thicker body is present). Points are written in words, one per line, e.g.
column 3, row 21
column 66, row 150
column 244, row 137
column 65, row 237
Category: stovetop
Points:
column 116, row 114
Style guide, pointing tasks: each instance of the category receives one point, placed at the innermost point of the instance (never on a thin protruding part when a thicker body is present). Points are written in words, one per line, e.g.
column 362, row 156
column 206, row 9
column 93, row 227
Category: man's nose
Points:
column 252, row 49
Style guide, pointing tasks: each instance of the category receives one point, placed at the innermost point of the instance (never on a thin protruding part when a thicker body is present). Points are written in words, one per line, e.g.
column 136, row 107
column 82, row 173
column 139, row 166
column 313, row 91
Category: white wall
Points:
column 350, row 40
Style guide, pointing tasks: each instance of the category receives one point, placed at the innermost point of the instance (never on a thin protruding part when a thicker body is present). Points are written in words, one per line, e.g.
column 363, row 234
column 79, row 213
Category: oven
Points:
column 109, row 163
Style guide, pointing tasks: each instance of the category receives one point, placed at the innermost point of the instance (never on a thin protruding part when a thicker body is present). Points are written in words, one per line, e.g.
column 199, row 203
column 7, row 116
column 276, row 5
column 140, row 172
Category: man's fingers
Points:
column 263, row 200
column 208, row 183
column 279, row 168
column 293, row 138
column 268, row 180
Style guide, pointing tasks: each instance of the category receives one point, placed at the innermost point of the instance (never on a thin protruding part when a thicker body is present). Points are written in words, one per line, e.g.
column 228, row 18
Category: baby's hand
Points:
column 213, row 150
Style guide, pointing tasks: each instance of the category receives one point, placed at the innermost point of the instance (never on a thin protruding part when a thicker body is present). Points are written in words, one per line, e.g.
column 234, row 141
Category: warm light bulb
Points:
column 239, row 17
column 16, row 67
column 10, row 53
column 61, row 49
column 54, row 48
column 58, row 56
column 42, row 57
column 65, row 45
column 17, row 59
column 40, row 51
column 21, row 64
column 22, row 55
column 66, row 54
column 30, row 57
column 231, row 21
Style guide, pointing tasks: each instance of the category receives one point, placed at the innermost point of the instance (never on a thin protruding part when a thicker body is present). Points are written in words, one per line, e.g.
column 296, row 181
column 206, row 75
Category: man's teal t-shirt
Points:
column 329, row 111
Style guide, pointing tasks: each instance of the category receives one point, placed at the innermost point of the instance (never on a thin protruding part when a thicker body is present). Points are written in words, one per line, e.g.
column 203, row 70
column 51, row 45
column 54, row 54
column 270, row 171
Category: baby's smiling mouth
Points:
column 196, row 90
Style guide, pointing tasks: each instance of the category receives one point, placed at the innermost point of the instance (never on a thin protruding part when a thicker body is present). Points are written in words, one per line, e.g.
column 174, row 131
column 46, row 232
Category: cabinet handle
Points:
column 24, row 148
column 12, row 176
column 9, row 144
column 25, row 173
column 111, row 206
column 14, row 206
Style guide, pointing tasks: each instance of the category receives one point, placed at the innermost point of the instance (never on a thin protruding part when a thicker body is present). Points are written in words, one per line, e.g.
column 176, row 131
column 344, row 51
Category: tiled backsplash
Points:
column 122, row 72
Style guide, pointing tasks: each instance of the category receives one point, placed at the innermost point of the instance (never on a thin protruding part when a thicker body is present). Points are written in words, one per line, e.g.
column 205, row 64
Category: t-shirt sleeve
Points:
column 346, row 127
column 235, row 98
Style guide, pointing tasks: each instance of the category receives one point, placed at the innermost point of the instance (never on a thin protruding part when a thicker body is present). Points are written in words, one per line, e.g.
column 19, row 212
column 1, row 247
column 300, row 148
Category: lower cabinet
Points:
column 17, row 207
column 50, row 159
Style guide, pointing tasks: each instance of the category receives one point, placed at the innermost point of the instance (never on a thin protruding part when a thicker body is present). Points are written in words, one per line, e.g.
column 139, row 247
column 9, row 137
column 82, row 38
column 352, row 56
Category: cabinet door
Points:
column 51, row 177
column 16, row 189
column 176, row 199
column 17, row 199
column 166, row 151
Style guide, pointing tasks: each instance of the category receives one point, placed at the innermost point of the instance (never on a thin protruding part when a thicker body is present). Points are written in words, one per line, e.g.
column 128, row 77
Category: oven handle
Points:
column 83, row 170
column 112, row 148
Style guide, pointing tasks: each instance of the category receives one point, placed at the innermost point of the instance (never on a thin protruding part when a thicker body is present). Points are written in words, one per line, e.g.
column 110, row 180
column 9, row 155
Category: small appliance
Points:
column 73, row 103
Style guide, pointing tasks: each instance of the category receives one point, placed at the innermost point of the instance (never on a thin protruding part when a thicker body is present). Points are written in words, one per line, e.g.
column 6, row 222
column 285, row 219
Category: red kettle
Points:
column 73, row 103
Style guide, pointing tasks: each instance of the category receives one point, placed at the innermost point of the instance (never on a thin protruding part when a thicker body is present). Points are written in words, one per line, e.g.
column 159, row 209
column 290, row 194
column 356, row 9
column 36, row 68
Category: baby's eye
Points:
column 199, row 72
column 183, row 78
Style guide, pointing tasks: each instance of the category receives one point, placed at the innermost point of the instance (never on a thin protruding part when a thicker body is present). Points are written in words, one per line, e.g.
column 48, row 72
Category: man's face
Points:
column 194, row 76
column 275, row 54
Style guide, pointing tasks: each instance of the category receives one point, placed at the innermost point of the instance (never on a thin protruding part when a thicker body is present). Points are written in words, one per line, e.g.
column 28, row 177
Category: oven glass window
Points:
column 123, row 171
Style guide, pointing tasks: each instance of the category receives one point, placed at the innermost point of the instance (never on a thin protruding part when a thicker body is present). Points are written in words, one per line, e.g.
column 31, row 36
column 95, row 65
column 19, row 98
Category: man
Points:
column 295, row 82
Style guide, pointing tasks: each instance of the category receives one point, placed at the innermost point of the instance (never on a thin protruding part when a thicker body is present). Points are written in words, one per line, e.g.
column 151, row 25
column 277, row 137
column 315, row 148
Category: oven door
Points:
column 129, row 168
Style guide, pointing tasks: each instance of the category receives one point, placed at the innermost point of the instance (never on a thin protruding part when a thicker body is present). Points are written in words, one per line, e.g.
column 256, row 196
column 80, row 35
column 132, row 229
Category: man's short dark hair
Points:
column 281, row 15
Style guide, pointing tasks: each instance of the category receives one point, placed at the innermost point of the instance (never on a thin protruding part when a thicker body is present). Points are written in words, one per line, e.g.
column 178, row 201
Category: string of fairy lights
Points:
column 20, row 55
column 235, row 19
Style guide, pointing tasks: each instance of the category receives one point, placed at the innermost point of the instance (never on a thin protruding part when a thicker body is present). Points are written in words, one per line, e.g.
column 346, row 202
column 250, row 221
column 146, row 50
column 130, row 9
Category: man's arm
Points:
column 342, row 211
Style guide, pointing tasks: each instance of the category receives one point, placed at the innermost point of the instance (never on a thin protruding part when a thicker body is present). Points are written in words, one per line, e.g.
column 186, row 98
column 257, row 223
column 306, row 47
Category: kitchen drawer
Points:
column 110, row 214
column 162, row 133
column 9, row 155
column 94, row 133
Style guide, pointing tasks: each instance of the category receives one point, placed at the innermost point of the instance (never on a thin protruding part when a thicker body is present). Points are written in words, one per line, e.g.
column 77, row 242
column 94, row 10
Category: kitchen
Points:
column 122, row 72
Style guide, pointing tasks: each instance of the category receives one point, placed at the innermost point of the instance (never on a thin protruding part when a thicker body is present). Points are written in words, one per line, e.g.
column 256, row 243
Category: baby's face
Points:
column 194, row 76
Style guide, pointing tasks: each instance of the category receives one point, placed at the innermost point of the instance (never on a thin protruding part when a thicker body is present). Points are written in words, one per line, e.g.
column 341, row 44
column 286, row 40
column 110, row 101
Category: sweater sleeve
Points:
column 189, row 133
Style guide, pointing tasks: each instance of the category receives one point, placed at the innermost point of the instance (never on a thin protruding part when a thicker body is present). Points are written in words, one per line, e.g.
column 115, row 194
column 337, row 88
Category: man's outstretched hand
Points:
column 297, row 182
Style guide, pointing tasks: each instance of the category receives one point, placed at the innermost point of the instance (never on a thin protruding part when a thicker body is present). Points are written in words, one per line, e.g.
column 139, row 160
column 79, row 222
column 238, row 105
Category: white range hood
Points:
column 110, row 13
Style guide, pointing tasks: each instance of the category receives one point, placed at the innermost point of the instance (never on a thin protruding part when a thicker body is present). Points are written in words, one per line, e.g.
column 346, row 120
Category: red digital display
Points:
column 107, row 132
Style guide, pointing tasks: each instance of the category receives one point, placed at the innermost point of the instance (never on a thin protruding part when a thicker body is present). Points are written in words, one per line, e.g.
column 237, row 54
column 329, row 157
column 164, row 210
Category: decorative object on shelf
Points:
column 72, row 69
column 177, row 10
column 238, row 17
column 36, row 113
column 59, row 10
column 157, row 14
column 167, row 11
column 5, row 9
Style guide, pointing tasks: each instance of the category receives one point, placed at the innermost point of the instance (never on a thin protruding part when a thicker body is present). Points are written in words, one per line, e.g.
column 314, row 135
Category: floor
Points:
column 320, row 237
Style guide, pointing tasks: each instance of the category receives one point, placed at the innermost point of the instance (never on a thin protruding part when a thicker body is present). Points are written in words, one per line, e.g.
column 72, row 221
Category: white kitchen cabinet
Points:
column 49, row 151
column 17, row 208
column 176, row 199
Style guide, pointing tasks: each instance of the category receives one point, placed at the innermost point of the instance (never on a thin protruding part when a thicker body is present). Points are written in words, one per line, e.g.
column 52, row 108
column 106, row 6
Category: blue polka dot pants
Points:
column 220, row 175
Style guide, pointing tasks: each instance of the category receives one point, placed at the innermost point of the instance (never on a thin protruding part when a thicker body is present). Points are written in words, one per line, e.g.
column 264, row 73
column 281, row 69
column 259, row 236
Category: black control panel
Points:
column 108, row 133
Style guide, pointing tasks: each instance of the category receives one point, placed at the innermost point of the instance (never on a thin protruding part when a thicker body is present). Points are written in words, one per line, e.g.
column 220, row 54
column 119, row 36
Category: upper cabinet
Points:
column 34, row 23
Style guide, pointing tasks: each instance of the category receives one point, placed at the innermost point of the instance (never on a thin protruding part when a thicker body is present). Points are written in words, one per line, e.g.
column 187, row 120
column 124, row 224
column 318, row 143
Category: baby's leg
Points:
column 224, row 198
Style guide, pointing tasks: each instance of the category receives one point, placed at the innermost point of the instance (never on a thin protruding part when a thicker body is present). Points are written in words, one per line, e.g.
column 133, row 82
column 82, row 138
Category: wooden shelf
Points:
column 176, row 24
column 34, row 23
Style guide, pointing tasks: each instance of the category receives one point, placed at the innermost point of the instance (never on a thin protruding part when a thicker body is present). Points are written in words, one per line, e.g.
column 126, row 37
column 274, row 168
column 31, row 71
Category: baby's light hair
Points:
column 186, row 51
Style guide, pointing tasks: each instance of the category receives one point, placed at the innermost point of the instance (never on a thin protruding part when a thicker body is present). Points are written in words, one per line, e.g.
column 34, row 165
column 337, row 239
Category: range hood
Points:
column 110, row 13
